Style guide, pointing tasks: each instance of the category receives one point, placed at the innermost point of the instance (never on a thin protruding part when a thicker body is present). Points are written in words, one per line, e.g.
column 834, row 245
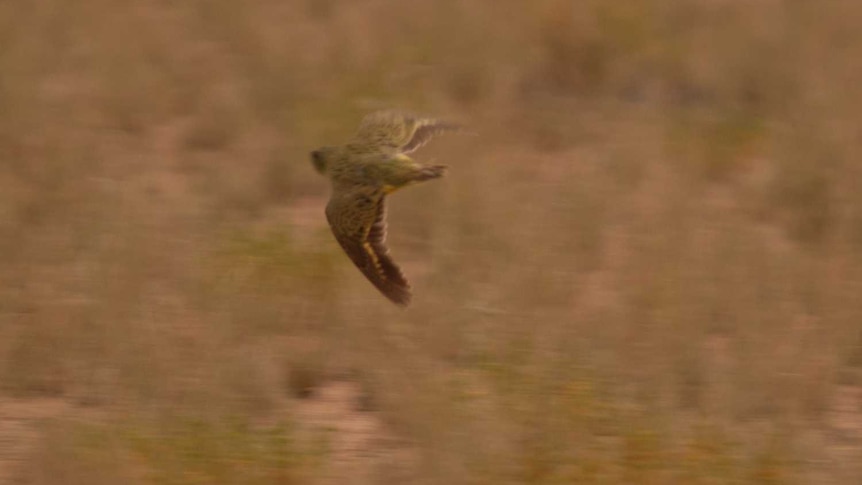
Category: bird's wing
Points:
column 358, row 221
column 396, row 132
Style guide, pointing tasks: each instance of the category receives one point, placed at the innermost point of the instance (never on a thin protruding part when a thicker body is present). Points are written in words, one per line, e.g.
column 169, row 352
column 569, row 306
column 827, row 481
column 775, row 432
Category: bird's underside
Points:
column 371, row 165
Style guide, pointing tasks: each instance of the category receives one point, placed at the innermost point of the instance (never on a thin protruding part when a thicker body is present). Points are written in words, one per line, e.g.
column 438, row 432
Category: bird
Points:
column 363, row 172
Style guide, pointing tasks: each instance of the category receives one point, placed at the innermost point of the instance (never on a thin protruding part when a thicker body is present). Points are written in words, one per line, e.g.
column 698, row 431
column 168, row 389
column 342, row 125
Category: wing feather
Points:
column 397, row 132
column 425, row 130
column 358, row 221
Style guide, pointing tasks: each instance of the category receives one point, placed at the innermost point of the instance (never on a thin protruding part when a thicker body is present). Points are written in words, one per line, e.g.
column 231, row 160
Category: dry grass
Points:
column 646, row 269
column 174, row 450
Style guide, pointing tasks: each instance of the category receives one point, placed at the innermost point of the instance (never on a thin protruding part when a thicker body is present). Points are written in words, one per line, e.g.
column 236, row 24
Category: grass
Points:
column 644, row 270
column 176, row 450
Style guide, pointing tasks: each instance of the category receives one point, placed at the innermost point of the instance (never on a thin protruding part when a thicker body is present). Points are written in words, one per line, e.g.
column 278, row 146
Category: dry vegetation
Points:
column 647, row 268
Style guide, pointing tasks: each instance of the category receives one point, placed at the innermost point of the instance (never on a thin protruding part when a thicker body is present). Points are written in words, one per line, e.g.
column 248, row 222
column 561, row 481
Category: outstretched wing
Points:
column 358, row 221
column 397, row 132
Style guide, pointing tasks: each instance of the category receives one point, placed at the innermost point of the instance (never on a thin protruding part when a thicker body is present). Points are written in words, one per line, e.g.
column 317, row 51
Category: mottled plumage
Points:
column 370, row 166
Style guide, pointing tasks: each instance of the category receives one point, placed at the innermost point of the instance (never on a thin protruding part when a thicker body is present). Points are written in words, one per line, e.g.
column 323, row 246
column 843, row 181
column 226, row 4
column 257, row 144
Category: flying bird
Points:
column 372, row 165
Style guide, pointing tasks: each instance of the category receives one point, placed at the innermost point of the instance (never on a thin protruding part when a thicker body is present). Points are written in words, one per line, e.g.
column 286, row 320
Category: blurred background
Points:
column 647, row 268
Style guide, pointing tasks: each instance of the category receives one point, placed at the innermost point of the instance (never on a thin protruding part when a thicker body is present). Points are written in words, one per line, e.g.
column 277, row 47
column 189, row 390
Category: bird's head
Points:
column 320, row 159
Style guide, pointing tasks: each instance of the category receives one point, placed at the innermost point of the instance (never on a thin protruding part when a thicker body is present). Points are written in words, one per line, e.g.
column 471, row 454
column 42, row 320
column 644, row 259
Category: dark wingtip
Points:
column 403, row 301
column 400, row 295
